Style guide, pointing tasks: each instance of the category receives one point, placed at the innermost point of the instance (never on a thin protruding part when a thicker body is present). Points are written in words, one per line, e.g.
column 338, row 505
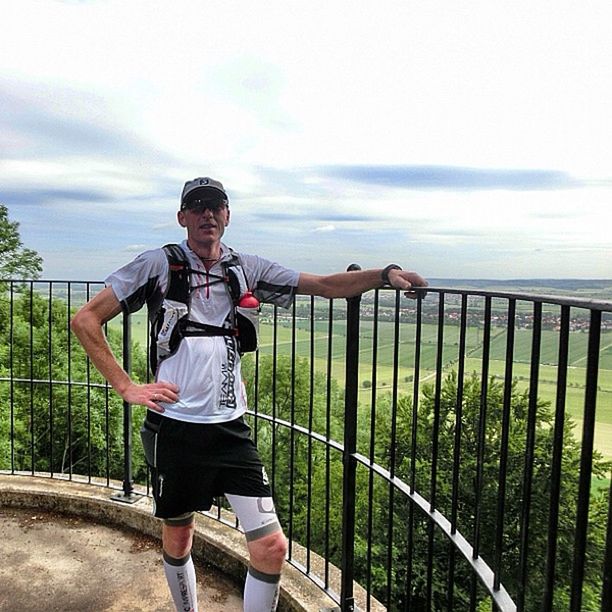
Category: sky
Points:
column 461, row 140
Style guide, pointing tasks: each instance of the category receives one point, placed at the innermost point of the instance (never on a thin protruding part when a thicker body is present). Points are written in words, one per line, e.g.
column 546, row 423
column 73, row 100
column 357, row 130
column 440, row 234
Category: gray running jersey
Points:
column 206, row 369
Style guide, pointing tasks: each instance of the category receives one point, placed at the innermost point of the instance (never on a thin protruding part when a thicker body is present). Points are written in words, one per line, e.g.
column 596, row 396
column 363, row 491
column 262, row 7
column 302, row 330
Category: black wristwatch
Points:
column 385, row 273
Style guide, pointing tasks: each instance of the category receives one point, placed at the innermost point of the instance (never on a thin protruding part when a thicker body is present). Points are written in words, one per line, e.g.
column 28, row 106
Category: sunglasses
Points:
column 200, row 205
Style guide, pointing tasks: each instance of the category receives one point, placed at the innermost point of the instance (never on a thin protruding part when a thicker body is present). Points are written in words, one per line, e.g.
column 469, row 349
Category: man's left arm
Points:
column 349, row 284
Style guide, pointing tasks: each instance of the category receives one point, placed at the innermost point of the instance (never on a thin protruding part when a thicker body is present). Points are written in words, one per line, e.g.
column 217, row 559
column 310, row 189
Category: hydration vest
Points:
column 171, row 323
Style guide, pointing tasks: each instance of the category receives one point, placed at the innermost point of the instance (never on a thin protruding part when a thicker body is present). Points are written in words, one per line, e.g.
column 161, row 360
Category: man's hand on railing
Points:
column 404, row 279
column 151, row 395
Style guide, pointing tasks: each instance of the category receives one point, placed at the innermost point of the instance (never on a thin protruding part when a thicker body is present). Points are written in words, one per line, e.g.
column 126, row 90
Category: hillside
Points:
column 592, row 288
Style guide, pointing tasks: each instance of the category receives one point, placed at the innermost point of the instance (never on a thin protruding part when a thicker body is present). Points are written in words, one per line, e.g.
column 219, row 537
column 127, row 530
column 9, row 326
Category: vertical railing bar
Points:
column 310, row 424
column 435, row 445
column 149, row 375
column 505, row 434
column 50, row 364
column 586, row 460
column 413, row 446
column 274, row 406
column 437, row 402
column 372, row 452
column 127, row 412
column 32, row 424
column 482, row 423
column 107, row 388
column 394, row 397
column 393, row 446
column 606, row 595
column 256, row 423
column 88, row 401
column 330, row 332
column 459, row 413
column 107, row 424
column 556, row 468
column 415, row 389
column 529, row 453
column 148, row 351
column 12, row 371
column 292, row 461
column 457, row 447
column 69, row 369
column 347, row 601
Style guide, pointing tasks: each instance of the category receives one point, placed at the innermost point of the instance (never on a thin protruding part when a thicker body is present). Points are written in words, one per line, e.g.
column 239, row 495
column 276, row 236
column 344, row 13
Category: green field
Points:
column 316, row 342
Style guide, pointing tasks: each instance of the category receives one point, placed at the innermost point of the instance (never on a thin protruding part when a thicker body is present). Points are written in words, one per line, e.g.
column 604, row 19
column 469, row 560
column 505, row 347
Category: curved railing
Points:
column 407, row 442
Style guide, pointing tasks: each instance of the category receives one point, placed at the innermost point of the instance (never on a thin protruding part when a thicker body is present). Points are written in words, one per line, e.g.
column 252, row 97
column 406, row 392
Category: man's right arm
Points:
column 87, row 326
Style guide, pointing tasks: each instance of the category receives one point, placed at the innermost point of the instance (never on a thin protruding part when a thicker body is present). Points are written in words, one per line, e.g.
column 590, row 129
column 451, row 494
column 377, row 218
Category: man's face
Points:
column 205, row 220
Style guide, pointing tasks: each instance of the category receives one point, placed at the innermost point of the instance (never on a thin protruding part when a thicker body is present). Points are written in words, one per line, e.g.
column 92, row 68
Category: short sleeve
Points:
column 141, row 281
column 270, row 282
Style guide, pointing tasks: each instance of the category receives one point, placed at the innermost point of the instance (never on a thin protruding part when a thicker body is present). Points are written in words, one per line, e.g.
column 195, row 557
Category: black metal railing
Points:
column 446, row 453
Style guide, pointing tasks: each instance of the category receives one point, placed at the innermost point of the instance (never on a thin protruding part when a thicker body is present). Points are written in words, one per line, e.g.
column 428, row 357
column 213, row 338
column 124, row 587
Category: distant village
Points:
column 524, row 319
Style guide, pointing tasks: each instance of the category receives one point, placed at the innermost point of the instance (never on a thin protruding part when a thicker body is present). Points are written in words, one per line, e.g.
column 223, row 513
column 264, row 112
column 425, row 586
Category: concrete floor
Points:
column 68, row 545
column 55, row 562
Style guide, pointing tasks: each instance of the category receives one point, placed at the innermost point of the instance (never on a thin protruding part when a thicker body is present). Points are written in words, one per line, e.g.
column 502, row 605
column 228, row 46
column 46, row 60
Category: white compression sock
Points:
column 260, row 591
column 180, row 574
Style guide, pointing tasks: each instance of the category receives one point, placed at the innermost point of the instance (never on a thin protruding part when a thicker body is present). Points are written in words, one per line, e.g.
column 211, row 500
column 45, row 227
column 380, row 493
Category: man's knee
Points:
column 269, row 552
column 177, row 536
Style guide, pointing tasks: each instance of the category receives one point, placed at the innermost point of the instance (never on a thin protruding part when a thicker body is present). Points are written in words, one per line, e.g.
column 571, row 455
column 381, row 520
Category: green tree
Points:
column 15, row 260
column 56, row 412
column 445, row 414
column 304, row 472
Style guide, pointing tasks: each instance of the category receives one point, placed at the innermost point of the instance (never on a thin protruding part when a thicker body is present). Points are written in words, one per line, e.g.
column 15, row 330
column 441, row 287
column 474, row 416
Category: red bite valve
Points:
column 248, row 300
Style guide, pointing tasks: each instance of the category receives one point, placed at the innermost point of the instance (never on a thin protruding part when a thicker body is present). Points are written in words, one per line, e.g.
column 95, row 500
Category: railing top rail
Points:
column 50, row 281
column 559, row 300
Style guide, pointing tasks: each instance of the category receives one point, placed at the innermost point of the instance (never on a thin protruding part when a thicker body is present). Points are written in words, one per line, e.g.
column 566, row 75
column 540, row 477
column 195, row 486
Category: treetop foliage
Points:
column 15, row 259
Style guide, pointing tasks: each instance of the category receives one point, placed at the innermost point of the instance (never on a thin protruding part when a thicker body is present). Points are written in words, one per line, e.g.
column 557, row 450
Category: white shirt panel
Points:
column 205, row 368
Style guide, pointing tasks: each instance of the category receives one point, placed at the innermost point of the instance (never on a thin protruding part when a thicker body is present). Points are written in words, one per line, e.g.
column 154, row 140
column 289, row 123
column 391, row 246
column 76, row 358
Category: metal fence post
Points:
column 347, row 600
column 128, row 495
column 606, row 598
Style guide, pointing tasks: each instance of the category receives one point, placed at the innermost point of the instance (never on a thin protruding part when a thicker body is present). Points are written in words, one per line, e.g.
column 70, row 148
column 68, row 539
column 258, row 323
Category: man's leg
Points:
column 177, row 539
column 267, row 547
column 266, row 557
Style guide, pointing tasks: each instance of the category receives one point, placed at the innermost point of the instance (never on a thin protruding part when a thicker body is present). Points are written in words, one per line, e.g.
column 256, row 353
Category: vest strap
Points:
column 193, row 328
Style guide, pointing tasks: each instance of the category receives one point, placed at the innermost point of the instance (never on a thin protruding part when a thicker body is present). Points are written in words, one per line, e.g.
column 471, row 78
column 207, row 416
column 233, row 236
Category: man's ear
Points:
column 227, row 219
column 180, row 215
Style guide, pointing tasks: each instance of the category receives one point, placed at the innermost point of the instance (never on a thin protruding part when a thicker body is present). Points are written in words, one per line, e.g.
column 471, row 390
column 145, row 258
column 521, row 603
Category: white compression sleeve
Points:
column 261, row 591
column 257, row 515
column 180, row 574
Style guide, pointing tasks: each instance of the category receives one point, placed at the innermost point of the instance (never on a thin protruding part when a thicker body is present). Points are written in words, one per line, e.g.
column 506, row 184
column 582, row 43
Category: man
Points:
column 194, row 436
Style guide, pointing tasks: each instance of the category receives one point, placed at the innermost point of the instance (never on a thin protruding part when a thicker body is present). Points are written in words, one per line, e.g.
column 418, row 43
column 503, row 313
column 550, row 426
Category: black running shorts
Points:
column 193, row 463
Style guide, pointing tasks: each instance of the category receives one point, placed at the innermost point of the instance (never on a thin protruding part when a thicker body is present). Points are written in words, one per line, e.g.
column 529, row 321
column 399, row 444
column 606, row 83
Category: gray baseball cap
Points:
column 202, row 187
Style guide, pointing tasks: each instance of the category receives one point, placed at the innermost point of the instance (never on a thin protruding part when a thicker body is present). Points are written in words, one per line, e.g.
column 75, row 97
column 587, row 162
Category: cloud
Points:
column 164, row 226
column 450, row 178
column 43, row 128
column 310, row 210
column 44, row 196
column 39, row 121
column 339, row 217
column 384, row 142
